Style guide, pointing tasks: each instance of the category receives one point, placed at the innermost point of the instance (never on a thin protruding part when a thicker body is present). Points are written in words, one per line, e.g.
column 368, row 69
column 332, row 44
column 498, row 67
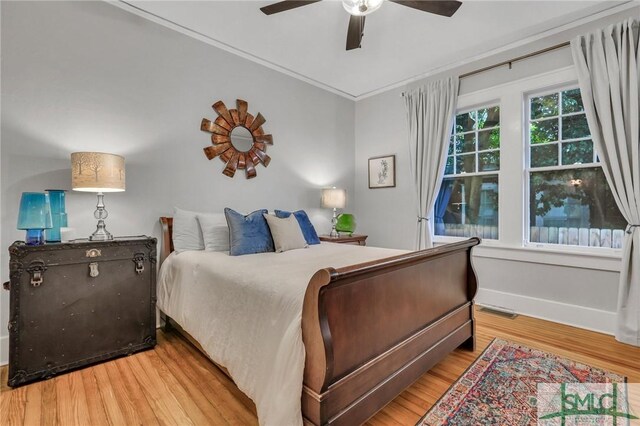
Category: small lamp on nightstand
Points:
column 334, row 198
column 34, row 216
column 98, row 172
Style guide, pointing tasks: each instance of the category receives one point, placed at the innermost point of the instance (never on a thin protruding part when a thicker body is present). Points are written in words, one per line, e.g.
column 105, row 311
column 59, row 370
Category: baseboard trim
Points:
column 563, row 313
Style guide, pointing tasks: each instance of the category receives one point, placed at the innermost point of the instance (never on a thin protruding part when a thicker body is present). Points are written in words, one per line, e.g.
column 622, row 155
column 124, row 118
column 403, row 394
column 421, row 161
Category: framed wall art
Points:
column 382, row 172
column 237, row 138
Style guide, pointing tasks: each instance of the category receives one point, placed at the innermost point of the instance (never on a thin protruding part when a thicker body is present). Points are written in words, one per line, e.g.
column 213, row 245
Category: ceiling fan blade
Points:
column 283, row 6
column 443, row 8
column 355, row 32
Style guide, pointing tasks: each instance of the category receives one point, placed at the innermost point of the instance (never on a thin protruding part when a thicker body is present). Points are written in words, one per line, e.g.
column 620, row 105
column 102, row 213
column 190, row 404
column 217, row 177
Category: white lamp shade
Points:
column 334, row 198
column 97, row 172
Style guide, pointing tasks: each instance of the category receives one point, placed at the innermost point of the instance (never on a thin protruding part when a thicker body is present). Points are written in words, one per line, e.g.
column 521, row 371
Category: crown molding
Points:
column 630, row 4
column 122, row 4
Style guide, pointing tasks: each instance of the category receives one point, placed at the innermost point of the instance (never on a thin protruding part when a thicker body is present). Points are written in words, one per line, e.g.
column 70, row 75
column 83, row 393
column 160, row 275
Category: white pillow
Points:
column 186, row 231
column 215, row 231
column 286, row 233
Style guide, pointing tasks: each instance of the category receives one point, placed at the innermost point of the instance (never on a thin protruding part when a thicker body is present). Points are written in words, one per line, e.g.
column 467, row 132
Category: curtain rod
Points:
column 511, row 61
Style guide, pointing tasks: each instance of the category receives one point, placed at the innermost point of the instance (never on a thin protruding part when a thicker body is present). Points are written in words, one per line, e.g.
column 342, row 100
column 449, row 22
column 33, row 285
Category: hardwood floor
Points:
column 176, row 384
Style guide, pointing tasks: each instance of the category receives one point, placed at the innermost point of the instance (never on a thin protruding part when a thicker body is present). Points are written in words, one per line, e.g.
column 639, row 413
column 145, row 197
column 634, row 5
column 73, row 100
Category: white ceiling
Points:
column 399, row 42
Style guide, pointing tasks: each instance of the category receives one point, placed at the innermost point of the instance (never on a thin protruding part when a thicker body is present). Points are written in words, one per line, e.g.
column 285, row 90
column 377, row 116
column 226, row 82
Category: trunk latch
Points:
column 138, row 259
column 93, row 269
column 36, row 270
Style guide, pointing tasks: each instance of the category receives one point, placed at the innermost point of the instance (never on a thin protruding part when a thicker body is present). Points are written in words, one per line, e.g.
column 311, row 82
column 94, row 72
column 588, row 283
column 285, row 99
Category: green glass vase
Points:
column 346, row 223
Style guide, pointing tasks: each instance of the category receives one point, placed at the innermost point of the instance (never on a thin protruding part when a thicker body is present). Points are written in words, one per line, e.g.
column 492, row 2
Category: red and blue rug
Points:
column 500, row 387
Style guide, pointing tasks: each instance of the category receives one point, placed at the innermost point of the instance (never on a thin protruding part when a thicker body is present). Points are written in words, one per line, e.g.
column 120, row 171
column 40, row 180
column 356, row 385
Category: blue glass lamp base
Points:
column 35, row 237
column 53, row 234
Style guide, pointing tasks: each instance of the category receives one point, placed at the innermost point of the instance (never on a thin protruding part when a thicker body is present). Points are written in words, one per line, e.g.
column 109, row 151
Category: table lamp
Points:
column 98, row 172
column 34, row 216
column 334, row 198
column 58, row 214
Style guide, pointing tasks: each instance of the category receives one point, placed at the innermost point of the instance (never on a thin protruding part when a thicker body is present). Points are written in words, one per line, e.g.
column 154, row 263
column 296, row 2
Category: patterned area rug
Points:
column 499, row 388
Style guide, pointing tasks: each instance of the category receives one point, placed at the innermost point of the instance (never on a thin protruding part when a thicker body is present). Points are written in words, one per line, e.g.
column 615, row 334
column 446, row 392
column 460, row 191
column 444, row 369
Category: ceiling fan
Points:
column 358, row 9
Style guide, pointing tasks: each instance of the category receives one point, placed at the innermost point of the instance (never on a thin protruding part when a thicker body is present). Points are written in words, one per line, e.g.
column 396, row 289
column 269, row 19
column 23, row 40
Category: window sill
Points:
column 573, row 257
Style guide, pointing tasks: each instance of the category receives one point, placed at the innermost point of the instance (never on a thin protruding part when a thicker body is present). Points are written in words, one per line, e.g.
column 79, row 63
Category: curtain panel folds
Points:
column 430, row 113
column 608, row 66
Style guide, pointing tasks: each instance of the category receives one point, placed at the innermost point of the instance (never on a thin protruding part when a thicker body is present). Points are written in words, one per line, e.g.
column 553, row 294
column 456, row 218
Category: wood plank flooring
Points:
column 176, row 384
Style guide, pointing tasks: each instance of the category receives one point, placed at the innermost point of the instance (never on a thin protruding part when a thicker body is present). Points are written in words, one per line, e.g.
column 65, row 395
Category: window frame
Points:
column 527, row 96
column 465, row 110
column 511, row 97
column 559, row 141
column 477, row 151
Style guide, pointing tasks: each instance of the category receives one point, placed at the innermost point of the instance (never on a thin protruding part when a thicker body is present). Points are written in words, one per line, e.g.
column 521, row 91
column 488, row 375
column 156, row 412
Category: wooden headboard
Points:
column 167, row 237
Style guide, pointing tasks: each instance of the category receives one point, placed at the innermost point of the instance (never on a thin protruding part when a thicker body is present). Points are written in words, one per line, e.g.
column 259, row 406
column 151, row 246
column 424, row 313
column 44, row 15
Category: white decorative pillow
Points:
column 286, row 233
column 186, row 231
column 215, row 231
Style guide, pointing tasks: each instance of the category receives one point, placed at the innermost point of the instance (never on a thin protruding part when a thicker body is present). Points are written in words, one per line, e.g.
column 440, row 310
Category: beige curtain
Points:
column 430, row 113
column 608, row 65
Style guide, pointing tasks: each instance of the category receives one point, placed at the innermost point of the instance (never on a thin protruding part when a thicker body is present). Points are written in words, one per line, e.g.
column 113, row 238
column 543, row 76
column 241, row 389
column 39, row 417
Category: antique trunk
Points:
column 77, row 303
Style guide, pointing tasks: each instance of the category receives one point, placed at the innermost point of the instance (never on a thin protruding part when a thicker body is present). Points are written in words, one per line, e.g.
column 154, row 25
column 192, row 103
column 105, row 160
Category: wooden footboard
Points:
column 370, row 330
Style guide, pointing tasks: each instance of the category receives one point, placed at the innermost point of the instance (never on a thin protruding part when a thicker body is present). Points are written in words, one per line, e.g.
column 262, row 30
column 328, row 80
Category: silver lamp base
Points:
column 334, row 220
column 101, row 233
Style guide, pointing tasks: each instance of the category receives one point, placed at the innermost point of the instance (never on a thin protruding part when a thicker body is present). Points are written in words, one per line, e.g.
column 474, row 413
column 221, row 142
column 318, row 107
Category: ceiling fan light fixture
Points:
column 361, row 7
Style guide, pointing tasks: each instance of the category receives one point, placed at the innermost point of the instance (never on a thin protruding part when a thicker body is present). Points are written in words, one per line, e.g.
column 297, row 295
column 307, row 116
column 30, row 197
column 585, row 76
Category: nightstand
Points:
column 355, row 239
column 76, row 303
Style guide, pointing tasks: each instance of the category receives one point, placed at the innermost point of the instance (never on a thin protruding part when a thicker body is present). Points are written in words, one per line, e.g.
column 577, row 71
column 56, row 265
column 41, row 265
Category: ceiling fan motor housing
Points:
column 361, row 7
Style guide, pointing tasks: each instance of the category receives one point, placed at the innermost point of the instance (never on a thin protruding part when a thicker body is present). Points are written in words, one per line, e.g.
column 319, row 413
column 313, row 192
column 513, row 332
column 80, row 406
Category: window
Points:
column 570, row 201
column 467, row 204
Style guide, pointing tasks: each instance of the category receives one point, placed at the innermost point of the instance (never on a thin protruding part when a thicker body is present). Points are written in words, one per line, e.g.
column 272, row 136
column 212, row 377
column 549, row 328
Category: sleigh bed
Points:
column 371, row 329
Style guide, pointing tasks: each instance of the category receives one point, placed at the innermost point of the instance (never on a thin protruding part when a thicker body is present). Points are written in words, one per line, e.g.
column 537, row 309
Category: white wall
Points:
column 576, row 289
column 90, row 76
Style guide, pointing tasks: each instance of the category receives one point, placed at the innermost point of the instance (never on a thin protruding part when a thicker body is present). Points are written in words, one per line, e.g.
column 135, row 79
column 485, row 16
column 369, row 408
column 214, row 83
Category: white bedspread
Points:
column 246, row 312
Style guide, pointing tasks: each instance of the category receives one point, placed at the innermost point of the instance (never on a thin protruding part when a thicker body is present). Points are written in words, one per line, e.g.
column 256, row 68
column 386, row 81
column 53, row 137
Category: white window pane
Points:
column 544, row 155
column 466, row 163
column 465, row 143
column 575, row 127
column 571, row 101
column 488, row 117
column 543, row 131
column 468, row 207
column 489, row 161
column 544, row 106
column 449, row 168
column 465, row 122
column 571, row 207
column 489, row 139
column 580, row 152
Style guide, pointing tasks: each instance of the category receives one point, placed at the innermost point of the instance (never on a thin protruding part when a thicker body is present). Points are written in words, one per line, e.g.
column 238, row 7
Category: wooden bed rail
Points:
column 166, row 245
column 372, row 329
column 403, row 259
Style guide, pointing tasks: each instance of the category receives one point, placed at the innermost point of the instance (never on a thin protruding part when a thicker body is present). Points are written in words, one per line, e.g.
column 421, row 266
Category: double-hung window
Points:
column 467, row 204
column 569, row 200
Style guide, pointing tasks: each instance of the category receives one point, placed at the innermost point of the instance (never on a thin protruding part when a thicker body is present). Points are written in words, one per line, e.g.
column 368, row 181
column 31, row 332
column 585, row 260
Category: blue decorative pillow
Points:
column 306, row 226
column 248, row 234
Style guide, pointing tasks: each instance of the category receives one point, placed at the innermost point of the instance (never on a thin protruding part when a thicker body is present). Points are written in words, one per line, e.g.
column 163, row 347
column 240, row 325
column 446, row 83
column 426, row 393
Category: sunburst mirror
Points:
column 237, row 138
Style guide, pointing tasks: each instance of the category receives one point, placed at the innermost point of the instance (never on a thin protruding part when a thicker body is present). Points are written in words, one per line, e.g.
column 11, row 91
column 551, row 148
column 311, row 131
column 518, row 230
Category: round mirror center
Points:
column 241, row 139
